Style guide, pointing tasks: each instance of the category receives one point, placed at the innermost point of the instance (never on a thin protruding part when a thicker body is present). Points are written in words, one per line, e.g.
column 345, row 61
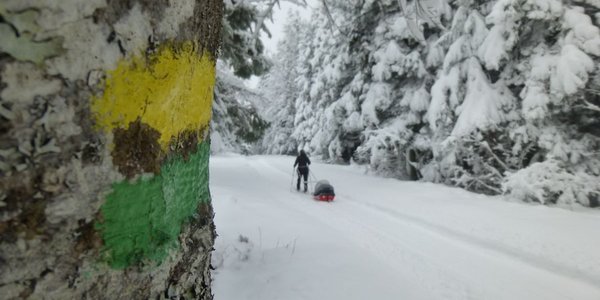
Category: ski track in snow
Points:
column 387, row 239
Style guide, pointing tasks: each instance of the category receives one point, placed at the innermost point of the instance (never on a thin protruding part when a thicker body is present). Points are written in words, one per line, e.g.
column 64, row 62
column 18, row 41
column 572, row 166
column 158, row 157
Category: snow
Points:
column 482, row 106
column 377, row 99
column 388, row 239
column 419, row 100
column 541, row 181
column 353, row 123
column 572, row 70
column 399, row 29
column 502, row 36
column 459, row 50
column 584, row 34
column 535, row 101
column 134, row 29
column 543, row 9
column 435, row 56
column 387, row 57
column 444, row 95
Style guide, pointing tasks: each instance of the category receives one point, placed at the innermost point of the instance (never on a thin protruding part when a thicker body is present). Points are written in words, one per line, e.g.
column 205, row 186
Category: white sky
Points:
column 276, row 27
column 279, row 20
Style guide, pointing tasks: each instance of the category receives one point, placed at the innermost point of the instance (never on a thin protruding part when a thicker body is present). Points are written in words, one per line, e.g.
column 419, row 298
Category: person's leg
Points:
column 306, row 180
column 299, row 177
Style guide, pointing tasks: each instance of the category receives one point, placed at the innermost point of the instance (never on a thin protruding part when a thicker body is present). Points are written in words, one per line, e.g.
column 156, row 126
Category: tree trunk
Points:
column 104, row 113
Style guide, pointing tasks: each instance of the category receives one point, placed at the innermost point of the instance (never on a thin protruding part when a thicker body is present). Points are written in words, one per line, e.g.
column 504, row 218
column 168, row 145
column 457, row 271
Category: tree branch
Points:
column 330, row 17
column 496, row 158
column 591, row 106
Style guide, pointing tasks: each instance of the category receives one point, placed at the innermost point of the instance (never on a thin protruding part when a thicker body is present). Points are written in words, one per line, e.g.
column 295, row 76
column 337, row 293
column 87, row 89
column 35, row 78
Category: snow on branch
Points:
column 330, row 17
column 268, row 13
column 591, row 106
column 423, row 12
column 261, row 19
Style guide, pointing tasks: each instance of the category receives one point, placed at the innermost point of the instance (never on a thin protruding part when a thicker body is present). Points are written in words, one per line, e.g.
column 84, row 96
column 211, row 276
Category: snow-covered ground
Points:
column 388, row 239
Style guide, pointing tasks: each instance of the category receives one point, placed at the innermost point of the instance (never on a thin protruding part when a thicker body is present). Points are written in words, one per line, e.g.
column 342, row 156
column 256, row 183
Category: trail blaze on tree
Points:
column 104, row 115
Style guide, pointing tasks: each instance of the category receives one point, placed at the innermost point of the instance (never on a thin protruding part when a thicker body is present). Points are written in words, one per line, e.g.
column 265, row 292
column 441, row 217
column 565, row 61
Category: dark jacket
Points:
column 302, row 161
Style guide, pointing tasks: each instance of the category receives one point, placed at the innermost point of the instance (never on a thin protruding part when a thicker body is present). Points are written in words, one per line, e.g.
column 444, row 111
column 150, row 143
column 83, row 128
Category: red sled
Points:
column 327, row 198
column 324, row 191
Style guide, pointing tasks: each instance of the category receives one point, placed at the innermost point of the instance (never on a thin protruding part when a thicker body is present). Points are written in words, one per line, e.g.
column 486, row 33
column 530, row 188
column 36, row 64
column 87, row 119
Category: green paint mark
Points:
column 142, row 220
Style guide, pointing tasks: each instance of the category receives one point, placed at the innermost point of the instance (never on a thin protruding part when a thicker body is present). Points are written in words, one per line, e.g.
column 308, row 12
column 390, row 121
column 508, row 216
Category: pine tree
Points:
column 552, row 57
column 236, row 125
column 242, row 47
column 469, row 107
column 322, row 62
column 394, row 94
column 281, row 88
column 492, row 96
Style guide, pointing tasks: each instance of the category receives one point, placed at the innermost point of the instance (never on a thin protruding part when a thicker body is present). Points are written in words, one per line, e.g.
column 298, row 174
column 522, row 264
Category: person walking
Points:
column 302, row 162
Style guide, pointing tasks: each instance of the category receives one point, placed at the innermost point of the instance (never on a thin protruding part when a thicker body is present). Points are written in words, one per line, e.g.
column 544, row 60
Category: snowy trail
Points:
column 386, row 239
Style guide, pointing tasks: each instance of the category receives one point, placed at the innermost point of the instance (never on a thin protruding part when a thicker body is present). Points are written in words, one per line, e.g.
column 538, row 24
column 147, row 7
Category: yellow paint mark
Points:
column 171, row 91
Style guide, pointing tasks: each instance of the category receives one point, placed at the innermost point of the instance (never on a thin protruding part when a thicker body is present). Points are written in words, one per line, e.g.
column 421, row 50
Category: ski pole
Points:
column 313, row 180
column 292, row 183
column 312, row 175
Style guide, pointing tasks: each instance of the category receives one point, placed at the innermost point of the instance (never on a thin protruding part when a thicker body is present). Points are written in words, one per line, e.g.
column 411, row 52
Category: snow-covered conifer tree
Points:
column 280, row 88
column 552, row 56
column 493, row 96
column 470, row 107
column 236, row 124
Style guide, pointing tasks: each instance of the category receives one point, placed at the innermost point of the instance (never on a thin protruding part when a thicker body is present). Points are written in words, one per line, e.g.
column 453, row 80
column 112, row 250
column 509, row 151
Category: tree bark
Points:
column 104, row 111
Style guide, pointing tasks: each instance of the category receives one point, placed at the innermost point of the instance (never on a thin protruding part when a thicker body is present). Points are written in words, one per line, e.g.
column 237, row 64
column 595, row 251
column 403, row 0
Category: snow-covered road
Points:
column 388, row 239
